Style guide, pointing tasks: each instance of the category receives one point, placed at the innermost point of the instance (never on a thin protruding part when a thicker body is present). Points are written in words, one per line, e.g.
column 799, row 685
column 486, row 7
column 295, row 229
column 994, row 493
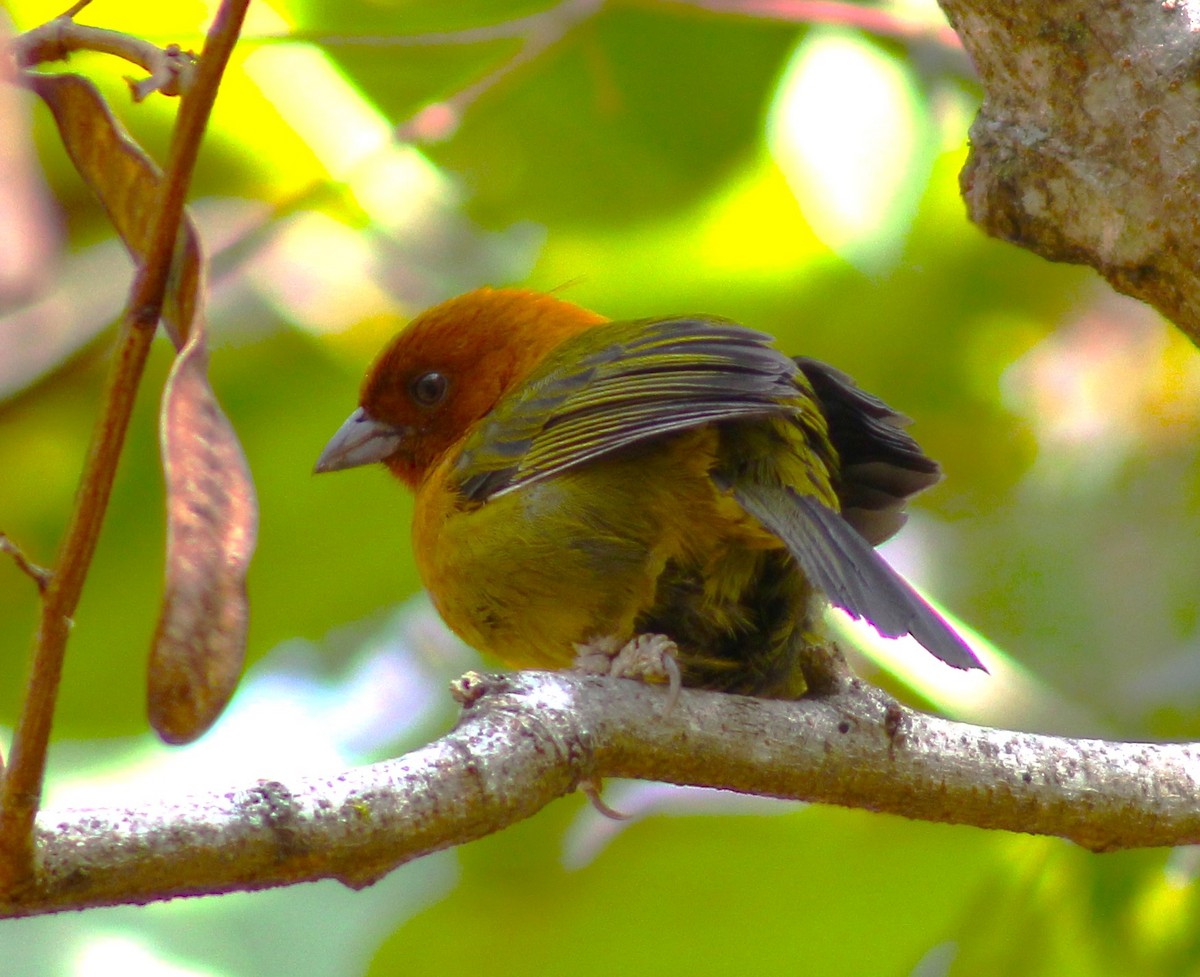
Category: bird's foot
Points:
column 648, row 657
column 596, row 657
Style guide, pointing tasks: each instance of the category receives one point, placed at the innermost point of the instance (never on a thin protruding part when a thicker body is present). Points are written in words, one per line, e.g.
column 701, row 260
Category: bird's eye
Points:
column 429, row 388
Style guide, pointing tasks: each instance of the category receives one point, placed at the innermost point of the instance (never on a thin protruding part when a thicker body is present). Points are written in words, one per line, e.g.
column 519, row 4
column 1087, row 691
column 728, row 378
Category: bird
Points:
column 675, row 486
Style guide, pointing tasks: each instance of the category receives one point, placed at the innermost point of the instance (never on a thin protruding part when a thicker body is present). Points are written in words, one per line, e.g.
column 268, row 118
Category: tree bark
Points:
column 1087, row 146
column 528, row 738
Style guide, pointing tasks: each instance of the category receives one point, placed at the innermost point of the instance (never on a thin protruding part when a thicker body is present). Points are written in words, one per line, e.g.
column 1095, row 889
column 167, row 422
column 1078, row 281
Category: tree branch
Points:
column 172, row 70
column 528, row 738
column 1085, row 147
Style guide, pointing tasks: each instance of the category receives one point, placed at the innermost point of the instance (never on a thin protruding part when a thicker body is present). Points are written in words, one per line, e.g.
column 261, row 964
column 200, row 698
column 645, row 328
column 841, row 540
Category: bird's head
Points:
column 443, row 373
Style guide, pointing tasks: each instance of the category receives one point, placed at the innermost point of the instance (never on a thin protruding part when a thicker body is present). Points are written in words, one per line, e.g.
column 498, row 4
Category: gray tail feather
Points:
column 838, row 561
column 881, row 466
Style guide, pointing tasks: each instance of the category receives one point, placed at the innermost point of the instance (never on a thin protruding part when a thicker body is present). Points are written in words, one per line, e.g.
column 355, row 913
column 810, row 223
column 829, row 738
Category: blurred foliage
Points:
column 634, row 165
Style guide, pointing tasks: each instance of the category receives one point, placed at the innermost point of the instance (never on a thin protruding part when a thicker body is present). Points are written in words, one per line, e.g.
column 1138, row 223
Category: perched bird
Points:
column 581, row 482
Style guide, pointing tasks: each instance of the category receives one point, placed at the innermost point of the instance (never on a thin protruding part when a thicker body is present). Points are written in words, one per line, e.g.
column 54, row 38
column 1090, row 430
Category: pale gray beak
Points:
column 360, row 441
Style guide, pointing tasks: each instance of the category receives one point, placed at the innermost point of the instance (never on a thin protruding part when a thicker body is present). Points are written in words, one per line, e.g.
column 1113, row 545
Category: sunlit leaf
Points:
column 843, row 106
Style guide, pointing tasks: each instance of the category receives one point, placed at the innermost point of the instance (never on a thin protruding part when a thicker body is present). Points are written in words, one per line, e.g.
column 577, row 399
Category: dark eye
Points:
column 429, row 388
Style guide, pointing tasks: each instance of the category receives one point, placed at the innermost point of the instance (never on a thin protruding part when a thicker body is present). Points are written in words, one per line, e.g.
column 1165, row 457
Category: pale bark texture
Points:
column 526, row 739
column 1087, row 146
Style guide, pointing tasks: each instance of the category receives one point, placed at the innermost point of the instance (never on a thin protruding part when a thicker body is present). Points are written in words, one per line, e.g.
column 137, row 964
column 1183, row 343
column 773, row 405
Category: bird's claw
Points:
column 648, row 657
column 591, row 790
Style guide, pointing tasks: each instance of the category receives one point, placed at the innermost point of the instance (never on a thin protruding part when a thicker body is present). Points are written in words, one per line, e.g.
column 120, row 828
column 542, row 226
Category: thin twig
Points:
column 540, row 32
column 40, row 575
column 440, row 120
column 22, row 786
column 873, row 20
column 172, row 70
column 76, row 8
column 551, row 20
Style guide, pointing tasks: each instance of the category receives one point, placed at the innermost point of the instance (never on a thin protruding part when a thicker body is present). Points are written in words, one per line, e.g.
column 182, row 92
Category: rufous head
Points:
column 444, row 372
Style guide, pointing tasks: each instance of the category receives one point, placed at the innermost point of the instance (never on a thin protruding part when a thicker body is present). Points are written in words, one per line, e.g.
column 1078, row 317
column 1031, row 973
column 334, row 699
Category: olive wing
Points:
column 623, row 383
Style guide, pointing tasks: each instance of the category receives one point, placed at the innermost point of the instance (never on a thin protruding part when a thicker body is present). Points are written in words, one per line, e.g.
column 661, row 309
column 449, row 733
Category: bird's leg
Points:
column 649, row 657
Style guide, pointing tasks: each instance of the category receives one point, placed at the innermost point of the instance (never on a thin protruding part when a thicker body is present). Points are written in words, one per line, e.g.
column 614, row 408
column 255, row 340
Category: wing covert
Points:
column 623, row 383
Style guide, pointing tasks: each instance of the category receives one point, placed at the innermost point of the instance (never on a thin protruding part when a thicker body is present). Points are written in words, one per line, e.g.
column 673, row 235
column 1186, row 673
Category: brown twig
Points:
column 539, row 31
column 76, row 8
column 172, row 70
column 21, row 793
column 874, row 20
column 520, row 28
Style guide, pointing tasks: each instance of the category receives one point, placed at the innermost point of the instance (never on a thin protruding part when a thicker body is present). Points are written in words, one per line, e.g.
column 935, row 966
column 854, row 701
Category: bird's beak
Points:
column 360, row 441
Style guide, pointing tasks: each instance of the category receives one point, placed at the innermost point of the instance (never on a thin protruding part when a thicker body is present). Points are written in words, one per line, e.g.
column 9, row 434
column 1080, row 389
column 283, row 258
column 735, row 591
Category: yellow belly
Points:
column 530, row 574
